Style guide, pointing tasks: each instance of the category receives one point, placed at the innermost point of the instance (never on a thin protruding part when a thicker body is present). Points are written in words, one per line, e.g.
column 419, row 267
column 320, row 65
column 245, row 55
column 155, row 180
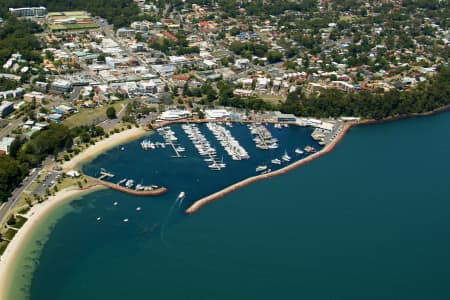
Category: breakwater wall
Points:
column 328, row 148
column 114, row 186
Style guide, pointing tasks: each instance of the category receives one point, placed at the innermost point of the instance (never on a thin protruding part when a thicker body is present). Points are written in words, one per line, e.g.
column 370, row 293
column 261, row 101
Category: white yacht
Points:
column 299, row 151
column 286, row 157
column 276, row 161
column 261, row 168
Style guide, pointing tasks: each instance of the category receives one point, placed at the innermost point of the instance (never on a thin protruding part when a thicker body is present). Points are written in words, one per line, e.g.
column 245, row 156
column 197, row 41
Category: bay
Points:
column 367, row 221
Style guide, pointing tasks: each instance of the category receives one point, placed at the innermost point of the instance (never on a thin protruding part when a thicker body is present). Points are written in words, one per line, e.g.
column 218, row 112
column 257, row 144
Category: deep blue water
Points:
column 368, row 221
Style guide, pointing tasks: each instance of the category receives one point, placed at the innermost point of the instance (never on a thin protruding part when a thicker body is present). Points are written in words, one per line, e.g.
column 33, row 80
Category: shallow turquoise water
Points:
column 368, row 221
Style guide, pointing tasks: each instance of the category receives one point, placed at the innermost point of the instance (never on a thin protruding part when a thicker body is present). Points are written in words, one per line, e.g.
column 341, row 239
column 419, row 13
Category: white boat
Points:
column 261, row 168
column 138, row 208
column 299, row 151
column 129, row 183
column 125, row 220
column 122, row 148
column 98, row 219
column 115, row 203
column 122, row 181
column 266, row 171
column 286, row 157
column 181, row 195
column 276, row 161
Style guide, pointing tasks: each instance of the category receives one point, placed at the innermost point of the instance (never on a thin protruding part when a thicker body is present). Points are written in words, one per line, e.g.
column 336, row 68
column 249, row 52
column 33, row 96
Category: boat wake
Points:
column 178, row 201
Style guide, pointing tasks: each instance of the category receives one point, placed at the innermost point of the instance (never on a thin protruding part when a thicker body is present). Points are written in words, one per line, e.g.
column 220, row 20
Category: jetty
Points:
column 104, row 174
column 177, row 153
column 151, row 192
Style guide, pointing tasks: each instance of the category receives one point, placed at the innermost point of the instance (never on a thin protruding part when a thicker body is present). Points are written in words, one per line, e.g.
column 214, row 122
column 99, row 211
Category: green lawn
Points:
column 3, row 245
column 89, row 116
column 19, row 222
column 272, row 98
column 9, row 234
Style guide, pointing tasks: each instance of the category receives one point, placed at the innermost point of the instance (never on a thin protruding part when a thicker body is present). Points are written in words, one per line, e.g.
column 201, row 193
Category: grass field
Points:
column 19, row 222
column 89, row 116
column 3, row 245
column 272, row 98
column 56, row 27
column 9, row 234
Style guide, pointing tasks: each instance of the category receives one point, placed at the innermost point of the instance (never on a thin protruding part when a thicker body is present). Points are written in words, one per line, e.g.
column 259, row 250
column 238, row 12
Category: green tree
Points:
column 111, row 112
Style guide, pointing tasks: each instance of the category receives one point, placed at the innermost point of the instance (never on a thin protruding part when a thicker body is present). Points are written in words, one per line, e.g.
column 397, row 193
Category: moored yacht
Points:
column 261, row 168
column 298, row 151
column 276, row 161
column 286, row 157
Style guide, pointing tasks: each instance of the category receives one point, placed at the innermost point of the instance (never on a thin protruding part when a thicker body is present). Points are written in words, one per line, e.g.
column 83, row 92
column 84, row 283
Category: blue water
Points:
column 191, row 174
column 368, row 221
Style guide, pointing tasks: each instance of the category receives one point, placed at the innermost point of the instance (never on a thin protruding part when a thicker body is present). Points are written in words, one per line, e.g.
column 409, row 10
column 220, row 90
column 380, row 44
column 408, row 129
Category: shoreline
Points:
column 37, row 212
column 35, row 215
column 101, row 146
column 197, row 205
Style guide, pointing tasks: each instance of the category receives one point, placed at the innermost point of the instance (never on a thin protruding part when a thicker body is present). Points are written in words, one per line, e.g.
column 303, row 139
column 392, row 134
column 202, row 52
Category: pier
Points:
column 177, row 153
column 104, row 174
column 153, row 192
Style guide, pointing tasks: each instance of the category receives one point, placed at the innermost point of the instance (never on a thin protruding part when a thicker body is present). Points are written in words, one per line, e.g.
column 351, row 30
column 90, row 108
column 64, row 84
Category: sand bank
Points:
column 8, row 261
column 102, row 146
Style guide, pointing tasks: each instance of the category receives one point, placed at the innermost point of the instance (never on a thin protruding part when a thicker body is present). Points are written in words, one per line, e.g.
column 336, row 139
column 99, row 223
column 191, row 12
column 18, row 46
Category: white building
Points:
column 213, row 114
column 5, row 144
column 29, row 11
column 171, row 115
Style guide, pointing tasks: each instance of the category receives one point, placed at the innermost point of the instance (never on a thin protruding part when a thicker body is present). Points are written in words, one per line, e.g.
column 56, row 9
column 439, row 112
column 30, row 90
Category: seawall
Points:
column 114, row 186
column 328, row 148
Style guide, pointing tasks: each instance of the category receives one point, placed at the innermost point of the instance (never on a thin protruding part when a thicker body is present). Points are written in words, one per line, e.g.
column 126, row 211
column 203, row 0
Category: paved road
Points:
column 7, row 130
column 15, row 195
column 111, row 123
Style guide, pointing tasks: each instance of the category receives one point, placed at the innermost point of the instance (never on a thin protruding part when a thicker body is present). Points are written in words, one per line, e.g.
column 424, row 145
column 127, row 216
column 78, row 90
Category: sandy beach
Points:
column 104, row 145
column 36, row 214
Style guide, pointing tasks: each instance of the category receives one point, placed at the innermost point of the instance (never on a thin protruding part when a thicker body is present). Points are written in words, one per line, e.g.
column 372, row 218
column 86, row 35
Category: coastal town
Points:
column 74, row 84
column 194, row 62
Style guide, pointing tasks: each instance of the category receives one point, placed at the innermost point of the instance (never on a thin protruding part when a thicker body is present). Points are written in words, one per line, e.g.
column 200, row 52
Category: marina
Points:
column 223, row 148
column 228, row 142
column 203, row 147
column 263, row 137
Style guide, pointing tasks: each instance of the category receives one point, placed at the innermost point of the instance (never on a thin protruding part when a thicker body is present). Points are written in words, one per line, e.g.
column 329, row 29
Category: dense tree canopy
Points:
column 7, row 84
column 43, row 143
column 333, row 103
column 17, row 36
column 117, row 12
column 11, row 174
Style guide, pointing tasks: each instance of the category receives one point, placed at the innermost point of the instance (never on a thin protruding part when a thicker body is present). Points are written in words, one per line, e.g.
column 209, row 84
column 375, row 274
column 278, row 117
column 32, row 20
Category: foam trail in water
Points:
column 163, row 226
